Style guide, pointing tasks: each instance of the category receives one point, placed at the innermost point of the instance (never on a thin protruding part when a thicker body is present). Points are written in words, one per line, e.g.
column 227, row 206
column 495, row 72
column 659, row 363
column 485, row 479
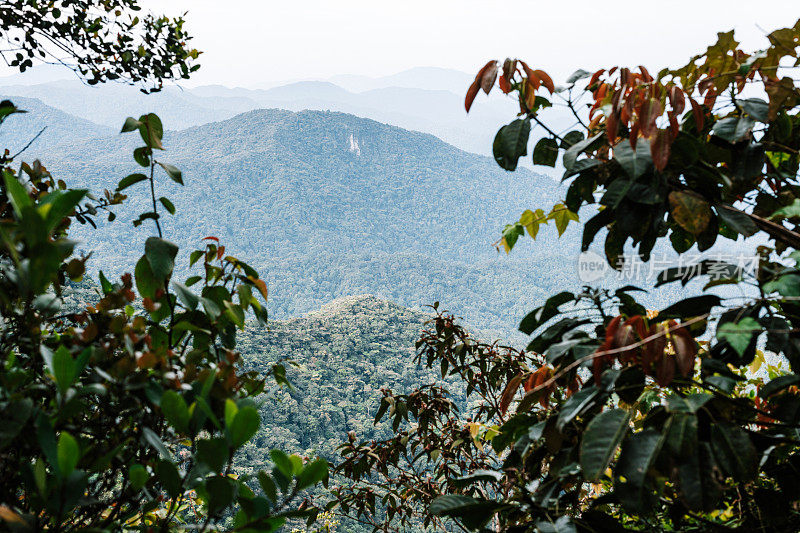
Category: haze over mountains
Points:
column 327, row 205
column 430, row 100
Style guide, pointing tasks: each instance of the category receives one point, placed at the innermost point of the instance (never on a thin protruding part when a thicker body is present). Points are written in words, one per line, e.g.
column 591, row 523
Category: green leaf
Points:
column 638, row 454
column 61, row 205
column 690, row 211
column 756, row 108
column 175, row 411
column 131, row 124
column 778, row 384
column 146, row 283
column 161, row 256
column 473, row 513
column 142, row 156
column 68, row 454
column 152, row 438
column 733, row 129
column 576, row 404
column 739, row 334
column 169, row 206
column 511, row 143
column 562, row 216
column 545, row 152
column 734, row 451
column 63, row 369
column 138, row 476
column 220, row 493
column 105, row 285
column 268, row 486
column 616, row 192
column 600, row 441
column 790, row 211
column 312, row 473
column 633, row 162
column 169, row 477
column 572, row 153
column 562, row 525
column 787, row 285
column 690, row 307
column 16, row 193
column 245, row 425
column 173, row 172
column 186, row 296
column 282, row 462
column 214, row 452
column 129, row 180
column 682, row 434
column 151, row 130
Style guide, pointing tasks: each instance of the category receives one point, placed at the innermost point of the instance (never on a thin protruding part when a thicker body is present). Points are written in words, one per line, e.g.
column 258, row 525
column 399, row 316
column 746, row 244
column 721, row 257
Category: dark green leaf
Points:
column 600, row 441
column 132, row 179
column 545, row 152
column 161, row 256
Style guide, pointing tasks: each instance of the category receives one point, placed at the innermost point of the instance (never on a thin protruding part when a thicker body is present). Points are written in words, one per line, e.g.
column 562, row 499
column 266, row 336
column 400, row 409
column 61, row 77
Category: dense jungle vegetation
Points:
column 145, row 387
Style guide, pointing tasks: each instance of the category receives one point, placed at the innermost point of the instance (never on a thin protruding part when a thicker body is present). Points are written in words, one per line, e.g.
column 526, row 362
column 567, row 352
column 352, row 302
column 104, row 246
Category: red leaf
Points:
column 660, row 148
column 665, row 370
column 685, row 350
column 596, row 76
column 533, row 79
column 677, row 100
column 653, row 350
column 646, row 75
column 488, row 76
column 710, row 99
column 634, row 135
column 504, row 84
column 651, row 110
column 509, row 392
column 509, row 67
column 611, row 329
column 546, row 80
column 698, row 113
column 210, row 239
column 472, row 92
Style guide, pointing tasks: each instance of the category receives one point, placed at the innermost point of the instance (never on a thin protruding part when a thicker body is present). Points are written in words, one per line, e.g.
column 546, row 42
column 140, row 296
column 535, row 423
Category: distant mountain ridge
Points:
column 435, row 107
column 327, row 205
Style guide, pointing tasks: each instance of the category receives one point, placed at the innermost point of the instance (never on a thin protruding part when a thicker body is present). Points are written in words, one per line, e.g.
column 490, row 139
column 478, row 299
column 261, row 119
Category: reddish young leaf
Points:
column 546, row 80
column 654, row 349
column 533, row 79
column 665, row 369
column 504, row 84
column 509, row 392
column 677, row 100
column 645, row 75
column 472, row 92
column 698, row 113
column 685, row 350
column 634, row 135
column 509, row 68
column 660, row 149
column 710, row 99
column 651, row 110
column 596, row 76
column 488, row 76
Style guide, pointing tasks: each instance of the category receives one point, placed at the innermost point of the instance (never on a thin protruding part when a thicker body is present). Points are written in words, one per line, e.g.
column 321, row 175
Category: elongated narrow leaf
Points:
column 600, row 441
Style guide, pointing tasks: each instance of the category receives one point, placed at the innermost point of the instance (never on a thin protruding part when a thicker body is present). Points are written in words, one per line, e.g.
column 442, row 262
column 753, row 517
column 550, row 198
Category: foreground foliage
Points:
column 127, row 414
column 615, row 417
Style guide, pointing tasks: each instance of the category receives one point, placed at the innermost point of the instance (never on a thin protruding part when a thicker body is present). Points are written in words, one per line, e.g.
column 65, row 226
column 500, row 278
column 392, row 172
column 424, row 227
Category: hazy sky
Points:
column 253, row 42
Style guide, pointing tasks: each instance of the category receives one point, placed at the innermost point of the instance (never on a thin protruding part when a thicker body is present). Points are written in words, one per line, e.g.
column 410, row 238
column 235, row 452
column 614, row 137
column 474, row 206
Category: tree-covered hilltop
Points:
column 341, row 356
column 330, row 205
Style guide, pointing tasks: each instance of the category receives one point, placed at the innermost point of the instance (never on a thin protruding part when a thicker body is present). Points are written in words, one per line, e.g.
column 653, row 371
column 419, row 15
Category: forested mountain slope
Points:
column 329, row 205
